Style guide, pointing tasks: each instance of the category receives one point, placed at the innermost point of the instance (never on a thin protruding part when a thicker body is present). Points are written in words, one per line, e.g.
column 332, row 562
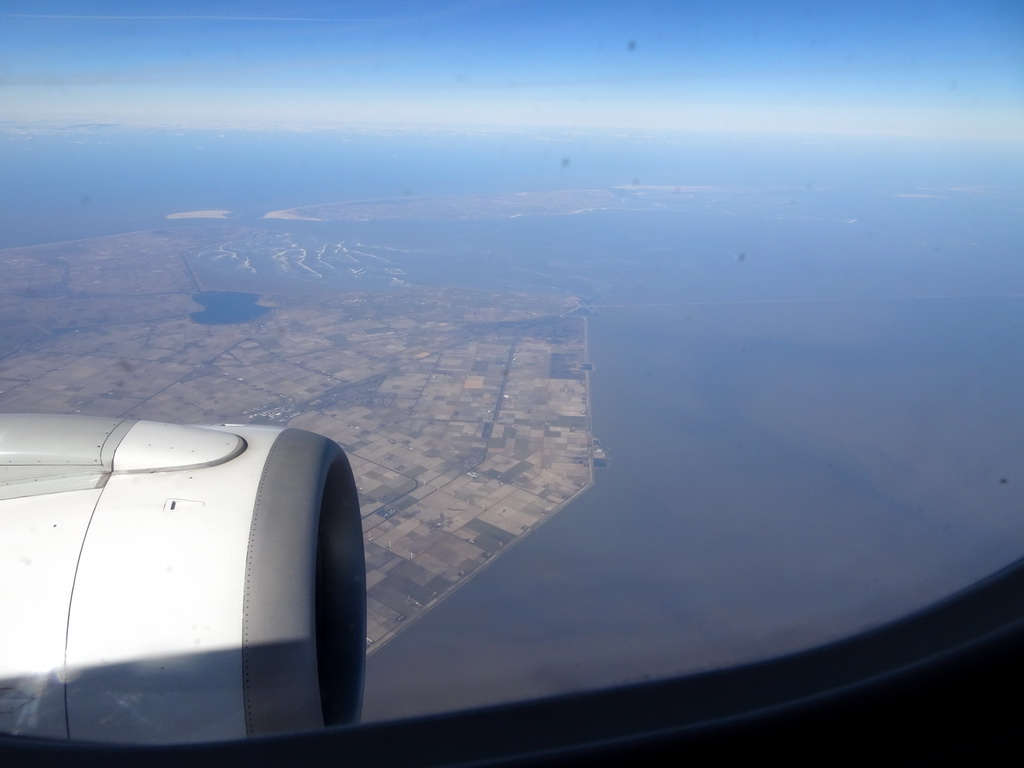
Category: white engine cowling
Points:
column 163, row 583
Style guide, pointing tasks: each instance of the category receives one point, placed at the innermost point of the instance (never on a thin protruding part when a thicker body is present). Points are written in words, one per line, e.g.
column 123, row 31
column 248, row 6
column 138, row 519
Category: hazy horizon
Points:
column 920, row 69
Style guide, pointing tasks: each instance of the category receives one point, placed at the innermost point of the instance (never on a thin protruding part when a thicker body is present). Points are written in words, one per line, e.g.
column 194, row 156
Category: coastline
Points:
column 371, row 649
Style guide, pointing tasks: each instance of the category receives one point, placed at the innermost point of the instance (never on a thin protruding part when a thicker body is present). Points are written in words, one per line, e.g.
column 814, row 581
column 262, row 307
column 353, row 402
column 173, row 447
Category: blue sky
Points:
column 917, row 68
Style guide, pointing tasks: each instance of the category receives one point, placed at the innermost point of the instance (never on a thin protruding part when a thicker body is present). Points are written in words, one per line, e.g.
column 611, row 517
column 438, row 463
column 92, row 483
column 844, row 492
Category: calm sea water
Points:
column 62, row 184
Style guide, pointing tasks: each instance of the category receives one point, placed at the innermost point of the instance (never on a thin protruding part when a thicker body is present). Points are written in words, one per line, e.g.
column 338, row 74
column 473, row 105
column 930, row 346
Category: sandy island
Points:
column 199, row 215
column 289, row 215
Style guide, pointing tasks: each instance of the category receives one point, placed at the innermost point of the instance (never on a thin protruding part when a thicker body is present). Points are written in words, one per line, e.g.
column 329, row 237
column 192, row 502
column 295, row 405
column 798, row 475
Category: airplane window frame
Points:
column 921, row 688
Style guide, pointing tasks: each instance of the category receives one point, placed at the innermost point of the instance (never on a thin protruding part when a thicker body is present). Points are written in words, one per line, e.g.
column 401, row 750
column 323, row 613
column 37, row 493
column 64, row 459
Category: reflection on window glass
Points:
column 659, row 340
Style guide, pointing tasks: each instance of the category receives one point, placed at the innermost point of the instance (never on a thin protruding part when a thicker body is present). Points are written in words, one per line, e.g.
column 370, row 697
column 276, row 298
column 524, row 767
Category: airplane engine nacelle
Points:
column 163, row 583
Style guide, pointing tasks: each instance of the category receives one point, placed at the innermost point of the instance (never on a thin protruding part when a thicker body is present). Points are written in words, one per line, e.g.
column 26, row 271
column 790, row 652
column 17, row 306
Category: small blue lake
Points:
column 227, row 307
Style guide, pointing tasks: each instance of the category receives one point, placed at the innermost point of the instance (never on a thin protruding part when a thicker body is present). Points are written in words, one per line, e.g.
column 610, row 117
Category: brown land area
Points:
column 465, row 413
